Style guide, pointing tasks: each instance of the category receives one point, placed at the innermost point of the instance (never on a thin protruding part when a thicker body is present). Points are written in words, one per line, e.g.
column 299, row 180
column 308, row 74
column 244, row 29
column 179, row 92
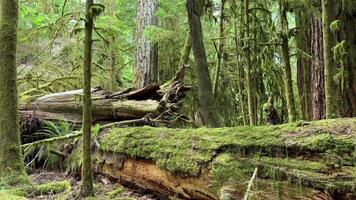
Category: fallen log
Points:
column 106, row 107
column 315, row 161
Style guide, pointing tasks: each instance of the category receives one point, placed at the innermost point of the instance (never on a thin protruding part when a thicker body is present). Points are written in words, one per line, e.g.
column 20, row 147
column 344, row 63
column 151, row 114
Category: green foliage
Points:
column 114, row 193
column 46, row 153
column 336, row 25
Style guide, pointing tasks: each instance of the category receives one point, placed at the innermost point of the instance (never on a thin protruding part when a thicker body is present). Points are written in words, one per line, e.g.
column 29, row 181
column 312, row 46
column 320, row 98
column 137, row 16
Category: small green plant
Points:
column 114, row 193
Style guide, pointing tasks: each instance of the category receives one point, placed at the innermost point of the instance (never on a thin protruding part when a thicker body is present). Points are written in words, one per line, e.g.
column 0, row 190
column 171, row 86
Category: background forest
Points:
column 285, row 37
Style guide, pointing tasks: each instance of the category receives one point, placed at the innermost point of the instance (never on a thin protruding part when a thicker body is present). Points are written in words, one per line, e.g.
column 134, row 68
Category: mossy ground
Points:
column 314, row 151
column 28, row 189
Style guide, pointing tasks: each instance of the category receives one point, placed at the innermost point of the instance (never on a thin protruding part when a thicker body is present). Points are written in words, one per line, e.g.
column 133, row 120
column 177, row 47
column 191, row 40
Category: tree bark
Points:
column 11, row 160
column 331, row 96
column 147, row 52
column 87, row 188
column 288, row 83
column 317, row 69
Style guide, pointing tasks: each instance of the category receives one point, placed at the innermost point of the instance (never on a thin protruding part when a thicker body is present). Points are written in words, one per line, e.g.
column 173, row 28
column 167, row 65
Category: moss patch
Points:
column 114, row 193
column 52, row 188
column 36, row 190
column 7, row 196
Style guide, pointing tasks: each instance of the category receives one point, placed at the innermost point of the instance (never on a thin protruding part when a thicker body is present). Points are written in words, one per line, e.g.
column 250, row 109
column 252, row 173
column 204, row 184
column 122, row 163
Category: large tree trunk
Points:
column 208, row 163
column 11, row 161
column 208, row 109
column 348, row 34
column 288, row 84
column 331, row 95
column 317, row 69
column 146, row 53
column 303, row 40
column 87, row 188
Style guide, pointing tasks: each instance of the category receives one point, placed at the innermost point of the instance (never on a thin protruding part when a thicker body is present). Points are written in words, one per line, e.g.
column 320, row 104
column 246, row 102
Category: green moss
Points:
column 44, row 189
column 186, row 150
column 7, row 196
column 52, row 188
column 114, row 193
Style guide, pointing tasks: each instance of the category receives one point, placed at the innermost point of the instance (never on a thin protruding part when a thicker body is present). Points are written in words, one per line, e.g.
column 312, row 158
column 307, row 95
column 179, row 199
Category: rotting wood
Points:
column 108, row 107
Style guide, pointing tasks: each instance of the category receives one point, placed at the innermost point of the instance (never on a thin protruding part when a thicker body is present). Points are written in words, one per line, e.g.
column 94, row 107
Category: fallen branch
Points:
column 250, row 184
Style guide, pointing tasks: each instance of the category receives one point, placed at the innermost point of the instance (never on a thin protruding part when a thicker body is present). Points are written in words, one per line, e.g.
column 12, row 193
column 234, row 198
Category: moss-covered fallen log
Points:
column 294, row 161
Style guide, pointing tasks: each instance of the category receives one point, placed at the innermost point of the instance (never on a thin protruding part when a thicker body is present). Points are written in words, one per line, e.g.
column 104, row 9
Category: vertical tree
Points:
column 111, row 49
column 288, row 84
column 303, row 42
column 11, row 161
column 220, row 50
column 249, row 85
column 87, row 178
column 208, row 110
column 328, row 17
column 146, row 52
column 317, row 69
column 238, row 56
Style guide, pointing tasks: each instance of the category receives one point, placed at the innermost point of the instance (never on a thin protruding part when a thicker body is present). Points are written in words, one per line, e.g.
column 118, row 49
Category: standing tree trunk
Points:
column 11, row 160
column 146, row 52
column 221, row 47
column 328, row 17
column 286, row 62
column 87, row 178
column 303, row 40
column 239, row 68
column 208, row 109
column 249, row 85
column 111, row 50
column 317, row 69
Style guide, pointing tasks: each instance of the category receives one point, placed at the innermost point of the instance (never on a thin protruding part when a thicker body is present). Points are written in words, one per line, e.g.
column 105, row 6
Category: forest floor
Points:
column 104, row 188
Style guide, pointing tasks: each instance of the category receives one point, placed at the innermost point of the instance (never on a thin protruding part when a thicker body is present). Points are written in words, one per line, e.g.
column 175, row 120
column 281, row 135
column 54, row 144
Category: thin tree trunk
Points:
column 112, row 65
column 208, row 109
column 288, row 84
column 221, row 46
column 328, row 7
column 239, row 66
column 249, row 85
column 317, row 69
column 184, row 59
column 112, row 58
column 11, row 160
column 87, row 178
column 146, row 53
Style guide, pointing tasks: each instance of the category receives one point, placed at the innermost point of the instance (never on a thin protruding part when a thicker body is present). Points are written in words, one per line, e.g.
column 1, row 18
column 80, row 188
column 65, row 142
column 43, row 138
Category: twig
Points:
column 250, row 184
